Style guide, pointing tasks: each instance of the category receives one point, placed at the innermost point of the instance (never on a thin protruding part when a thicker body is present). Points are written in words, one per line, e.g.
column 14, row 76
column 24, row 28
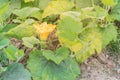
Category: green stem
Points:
column 92, row 3
column 43, row 44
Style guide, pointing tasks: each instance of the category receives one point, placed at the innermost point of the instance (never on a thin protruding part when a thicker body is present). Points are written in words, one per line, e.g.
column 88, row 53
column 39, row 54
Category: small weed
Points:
column 114, row 47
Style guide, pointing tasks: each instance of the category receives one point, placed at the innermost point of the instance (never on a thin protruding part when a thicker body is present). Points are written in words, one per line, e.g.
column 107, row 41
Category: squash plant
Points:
column 60, row 33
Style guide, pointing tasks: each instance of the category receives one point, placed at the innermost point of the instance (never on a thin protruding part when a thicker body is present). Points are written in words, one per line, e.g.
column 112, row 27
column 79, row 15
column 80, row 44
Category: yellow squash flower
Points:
column 44, row 29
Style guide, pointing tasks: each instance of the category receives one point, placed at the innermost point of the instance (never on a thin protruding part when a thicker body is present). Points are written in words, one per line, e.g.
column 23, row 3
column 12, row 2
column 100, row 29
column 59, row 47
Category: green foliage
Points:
column 73, row 14
column 30, row 41
column 57, row 7
column 25, row 12
column 116, row 12
column 22, row 30
column 58, row 56
column 2, row 2
column 108, row 2
column 16, row 71
column 37, row 15
column 28, row 1
column 3, row 10
column 69, row 25
column 89, row 44
column 95, row 12
column 8, row 27
column 14, row 4
column 85, row 45
column 68, row 31
column 13, row 53
column 4, row 42
column 114, row 47
column 85, row 3
column 73, row 30
column 3, row 59
column 109, row 33
column 43, row 69
column 43, row 4
column 26, row 30
column 100, row 13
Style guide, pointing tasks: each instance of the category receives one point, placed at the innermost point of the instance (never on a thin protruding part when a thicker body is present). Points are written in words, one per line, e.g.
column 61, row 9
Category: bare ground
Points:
column 103, row 67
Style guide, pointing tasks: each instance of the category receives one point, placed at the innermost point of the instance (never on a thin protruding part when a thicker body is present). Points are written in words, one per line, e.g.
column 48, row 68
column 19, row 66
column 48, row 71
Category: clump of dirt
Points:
column 103, row 67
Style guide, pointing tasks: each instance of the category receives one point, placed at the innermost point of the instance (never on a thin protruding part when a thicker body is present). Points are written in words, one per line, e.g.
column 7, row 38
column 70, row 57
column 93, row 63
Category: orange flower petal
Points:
column 44, row 29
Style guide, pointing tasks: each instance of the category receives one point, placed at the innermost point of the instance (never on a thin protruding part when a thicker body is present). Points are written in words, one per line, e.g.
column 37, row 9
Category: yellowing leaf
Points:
column 74, row 46
column 44, row 29
column 108, row 2
column 23, row 30
column 92, row 40
column 28, row 1
column 43, row 4
column 3, row 10
column 57, row 7
column 82, row 41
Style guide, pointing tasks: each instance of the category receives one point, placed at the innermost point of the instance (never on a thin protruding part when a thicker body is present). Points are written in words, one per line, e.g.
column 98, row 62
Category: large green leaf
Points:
column 23, row 30
column 4, row 42
column 13, row 53
column 26, row 12
column 58, row 56
column 116, row 12
column 109, row 33
column 43, row 69
column 16, row 71
column 30, row 41
column 68, row 31
column 57, row 7
column 69, row 27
